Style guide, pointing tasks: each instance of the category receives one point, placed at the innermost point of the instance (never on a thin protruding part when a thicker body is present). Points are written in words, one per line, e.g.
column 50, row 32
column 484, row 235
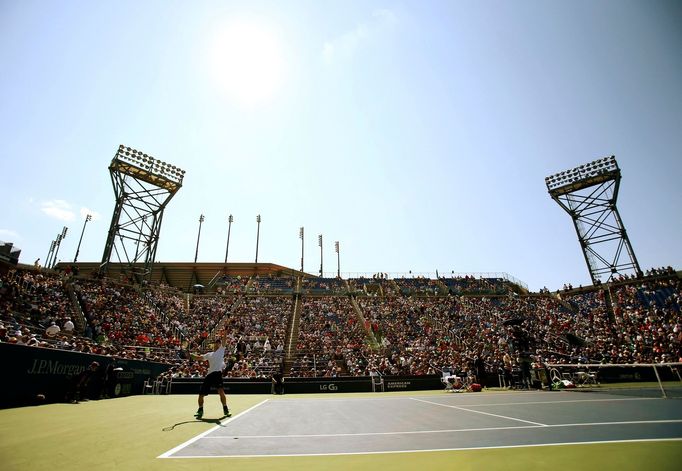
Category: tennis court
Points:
column 393, row 424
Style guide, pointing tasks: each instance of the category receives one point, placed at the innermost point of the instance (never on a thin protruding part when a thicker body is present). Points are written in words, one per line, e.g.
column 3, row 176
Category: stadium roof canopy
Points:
column 184, row 275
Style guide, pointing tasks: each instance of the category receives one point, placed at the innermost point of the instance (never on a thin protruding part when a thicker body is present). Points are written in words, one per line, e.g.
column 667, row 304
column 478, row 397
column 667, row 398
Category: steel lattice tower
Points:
column 143, row 186
column 589, row 193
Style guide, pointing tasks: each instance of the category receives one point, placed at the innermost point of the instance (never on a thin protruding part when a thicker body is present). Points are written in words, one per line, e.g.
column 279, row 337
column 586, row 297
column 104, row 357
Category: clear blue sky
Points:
column 418, row 134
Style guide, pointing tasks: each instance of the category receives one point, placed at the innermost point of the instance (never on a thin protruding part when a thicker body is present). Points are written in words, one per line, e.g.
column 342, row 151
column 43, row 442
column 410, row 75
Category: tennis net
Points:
column 639, row 380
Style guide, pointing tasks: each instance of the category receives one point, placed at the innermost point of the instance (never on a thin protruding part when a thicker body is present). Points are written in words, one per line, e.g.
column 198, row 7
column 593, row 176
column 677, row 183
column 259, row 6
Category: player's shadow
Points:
column 203, row 419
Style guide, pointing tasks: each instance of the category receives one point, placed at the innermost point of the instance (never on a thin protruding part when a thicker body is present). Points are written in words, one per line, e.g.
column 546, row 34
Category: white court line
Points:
column 478, row 412
column 565, row 402
column 421, row 432
column 375, row 397
column 285, row 401
column 202, row 435
column 600, row 442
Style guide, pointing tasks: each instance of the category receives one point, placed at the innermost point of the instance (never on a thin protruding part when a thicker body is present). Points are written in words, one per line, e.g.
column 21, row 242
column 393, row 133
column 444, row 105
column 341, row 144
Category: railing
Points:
column 292, row 333
column 172, row 329
column 431, row 275
column 76, row 308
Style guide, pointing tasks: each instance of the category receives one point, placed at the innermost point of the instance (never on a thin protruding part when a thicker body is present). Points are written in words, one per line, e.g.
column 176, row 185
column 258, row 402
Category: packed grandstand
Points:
column 304, row 326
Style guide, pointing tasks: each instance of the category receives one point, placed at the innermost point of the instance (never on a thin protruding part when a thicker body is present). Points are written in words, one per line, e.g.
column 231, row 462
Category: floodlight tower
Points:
column 319, row 242
column 257, row 235
column 58, row 241
column 143, row 186
column 230, row 220
column 589, row 193
column 301, row 233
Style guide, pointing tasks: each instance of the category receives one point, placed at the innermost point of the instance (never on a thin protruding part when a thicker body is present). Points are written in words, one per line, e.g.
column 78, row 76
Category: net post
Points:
column 660, row 384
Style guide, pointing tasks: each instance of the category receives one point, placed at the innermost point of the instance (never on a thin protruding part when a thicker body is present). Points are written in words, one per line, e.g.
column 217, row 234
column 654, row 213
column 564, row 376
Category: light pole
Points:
column 60, row 237
column 196, row 254
column 338, row 259
column 319, row 241
column 53, row 244
column 229, row 228
column 300, row 235
column 88, row 218
column 257, row 236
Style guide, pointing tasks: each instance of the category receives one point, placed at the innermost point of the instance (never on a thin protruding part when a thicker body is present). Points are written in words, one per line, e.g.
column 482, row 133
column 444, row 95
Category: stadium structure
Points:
column 488, row 329
column 128, row 325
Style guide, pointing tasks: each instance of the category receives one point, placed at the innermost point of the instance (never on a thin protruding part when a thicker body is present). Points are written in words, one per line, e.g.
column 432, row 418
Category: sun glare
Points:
column 246, row 61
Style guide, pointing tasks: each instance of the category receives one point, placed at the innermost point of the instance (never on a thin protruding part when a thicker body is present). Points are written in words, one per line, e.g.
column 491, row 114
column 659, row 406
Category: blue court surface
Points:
column 301, row 426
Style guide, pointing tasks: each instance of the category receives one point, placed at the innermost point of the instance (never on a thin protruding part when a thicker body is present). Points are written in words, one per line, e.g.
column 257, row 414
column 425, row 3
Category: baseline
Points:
column 203, row 434
column 424, row 449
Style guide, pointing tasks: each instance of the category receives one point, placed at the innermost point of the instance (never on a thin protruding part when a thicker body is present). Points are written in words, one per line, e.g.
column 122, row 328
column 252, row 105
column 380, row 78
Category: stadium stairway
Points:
column 564, row 303
column 76, row 309
column 361, row 319
column 163, row 315
column 292, row 332
column 220, row 325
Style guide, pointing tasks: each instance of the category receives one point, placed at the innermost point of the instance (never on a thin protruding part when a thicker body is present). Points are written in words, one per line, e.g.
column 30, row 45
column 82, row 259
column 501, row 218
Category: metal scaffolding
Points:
column 143, row 187
column 589, row 193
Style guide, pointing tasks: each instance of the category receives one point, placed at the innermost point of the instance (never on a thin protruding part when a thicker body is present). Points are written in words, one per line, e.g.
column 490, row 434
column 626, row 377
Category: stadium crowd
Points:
column 392, row 326
column 328, row 328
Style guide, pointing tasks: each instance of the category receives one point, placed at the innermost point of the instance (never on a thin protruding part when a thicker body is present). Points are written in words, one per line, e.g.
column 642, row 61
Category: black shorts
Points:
column 212, row 380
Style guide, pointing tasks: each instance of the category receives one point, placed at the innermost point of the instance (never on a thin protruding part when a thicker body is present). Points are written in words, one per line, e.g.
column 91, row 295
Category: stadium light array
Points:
column 592, row 171
column 143, row 187
column 601, row 233
column 146, row 162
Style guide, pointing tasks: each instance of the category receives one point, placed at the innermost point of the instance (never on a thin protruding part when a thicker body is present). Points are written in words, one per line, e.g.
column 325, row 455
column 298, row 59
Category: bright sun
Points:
column 246, row 61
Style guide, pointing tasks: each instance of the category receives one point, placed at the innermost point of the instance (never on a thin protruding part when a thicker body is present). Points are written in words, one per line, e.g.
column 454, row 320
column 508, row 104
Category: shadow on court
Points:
column 194, row 421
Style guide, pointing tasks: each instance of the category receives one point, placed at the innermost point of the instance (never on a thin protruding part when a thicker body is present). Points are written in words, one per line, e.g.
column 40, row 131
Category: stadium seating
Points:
column 410, row 326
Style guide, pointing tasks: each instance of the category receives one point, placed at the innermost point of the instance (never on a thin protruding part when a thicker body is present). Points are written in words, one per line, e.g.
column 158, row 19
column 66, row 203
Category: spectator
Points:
column 68, row 326
column 52, row 330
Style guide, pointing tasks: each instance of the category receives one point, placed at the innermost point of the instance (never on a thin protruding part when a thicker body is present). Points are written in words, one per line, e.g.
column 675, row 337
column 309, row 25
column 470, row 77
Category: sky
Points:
column 417, row 134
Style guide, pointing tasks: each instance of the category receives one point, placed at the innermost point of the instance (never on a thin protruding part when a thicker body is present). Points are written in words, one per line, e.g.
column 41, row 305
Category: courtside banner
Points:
column 36, row 375
column 327, row 385
column 361, row 384
column 312, row 385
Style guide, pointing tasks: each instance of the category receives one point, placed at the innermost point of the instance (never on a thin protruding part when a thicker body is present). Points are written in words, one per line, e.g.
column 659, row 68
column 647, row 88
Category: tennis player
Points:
column 214, row 377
